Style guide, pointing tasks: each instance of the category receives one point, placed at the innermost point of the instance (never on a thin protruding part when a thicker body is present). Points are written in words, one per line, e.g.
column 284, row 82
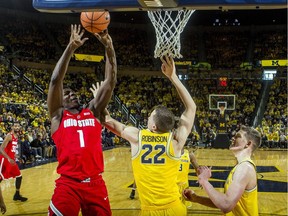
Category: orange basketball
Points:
column 96, row 21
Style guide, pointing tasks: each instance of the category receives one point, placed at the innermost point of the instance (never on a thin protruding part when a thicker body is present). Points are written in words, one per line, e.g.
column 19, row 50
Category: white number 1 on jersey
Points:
column 81, row 138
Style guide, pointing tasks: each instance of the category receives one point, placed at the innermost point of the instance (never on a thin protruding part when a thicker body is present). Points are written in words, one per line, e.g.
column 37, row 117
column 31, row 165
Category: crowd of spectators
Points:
column 222, row 47
column 25, row 38
column 270, row 45
column 226, row 49
column 274, row 123
column 29, row 40
column 246, row 93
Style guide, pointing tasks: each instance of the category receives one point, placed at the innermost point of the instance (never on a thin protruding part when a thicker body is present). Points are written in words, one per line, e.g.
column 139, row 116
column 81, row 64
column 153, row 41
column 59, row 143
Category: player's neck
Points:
column 243, row 155
column 74, row 110
column 14, row 134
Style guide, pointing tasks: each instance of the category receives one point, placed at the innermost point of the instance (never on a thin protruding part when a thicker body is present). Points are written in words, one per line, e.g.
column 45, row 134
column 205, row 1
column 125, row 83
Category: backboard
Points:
column 69, row 6
column 220, row 100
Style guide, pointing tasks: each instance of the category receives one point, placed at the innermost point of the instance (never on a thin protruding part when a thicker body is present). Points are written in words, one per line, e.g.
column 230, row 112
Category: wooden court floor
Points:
column 38, row 183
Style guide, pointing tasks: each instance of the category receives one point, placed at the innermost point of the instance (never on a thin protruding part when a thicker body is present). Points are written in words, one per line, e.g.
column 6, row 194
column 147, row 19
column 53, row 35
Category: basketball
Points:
column 96, row 21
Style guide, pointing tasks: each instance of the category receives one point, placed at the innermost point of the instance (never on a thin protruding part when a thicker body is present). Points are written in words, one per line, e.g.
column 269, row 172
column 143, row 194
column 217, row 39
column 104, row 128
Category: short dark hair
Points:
column 67, row 88
column 15, row 122
column 164, row 119
column 253, row 135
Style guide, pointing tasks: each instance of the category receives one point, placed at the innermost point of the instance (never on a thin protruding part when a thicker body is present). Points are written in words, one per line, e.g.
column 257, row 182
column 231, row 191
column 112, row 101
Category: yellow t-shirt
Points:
column 269, row 136
column 275, row 136
column 155, row 168
column 248, row 203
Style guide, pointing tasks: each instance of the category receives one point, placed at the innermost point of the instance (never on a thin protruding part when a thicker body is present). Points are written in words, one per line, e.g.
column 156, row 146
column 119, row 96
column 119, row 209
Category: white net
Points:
column 168, row 27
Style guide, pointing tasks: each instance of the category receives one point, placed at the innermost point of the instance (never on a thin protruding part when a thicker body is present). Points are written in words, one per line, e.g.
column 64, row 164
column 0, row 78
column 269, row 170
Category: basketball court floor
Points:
column 38, row 183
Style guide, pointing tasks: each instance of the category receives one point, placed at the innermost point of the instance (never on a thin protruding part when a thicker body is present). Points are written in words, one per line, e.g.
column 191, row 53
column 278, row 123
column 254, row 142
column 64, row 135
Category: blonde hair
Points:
column 253, row 135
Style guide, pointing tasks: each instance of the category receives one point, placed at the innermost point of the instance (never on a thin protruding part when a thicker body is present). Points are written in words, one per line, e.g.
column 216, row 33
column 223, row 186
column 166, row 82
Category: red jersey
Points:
column 7, row 170
column 79, row 145
column 11, row 147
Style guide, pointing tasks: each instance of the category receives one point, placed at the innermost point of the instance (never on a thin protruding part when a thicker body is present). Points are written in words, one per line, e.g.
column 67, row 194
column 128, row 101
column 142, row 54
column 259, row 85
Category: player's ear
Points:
column 154, row 127
column 249, row 143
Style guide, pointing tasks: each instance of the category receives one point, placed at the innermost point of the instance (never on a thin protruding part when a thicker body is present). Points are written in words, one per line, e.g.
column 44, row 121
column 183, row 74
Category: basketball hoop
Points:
column 168, row 27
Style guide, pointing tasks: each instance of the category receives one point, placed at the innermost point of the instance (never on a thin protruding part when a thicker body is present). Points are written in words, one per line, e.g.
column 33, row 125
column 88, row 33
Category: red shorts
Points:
column 71, row 195
column 7, row 170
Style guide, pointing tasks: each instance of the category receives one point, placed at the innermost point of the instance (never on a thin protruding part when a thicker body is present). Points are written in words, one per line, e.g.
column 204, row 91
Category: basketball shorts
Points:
column 71, row 195
column 178, row 209
column 7, row 170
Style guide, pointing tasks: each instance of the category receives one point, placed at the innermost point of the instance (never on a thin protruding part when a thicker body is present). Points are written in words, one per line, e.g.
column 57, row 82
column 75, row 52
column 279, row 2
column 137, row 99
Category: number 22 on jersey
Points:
column 147, row 158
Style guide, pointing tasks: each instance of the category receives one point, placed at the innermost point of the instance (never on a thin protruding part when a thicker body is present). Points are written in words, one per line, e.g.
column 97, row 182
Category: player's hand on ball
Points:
column 104, row 38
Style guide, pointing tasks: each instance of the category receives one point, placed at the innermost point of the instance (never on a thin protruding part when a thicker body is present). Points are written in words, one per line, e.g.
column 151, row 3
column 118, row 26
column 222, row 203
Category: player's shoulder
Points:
column 131, row 134
column 245, row 167
column 249, row 164
column 9, row 136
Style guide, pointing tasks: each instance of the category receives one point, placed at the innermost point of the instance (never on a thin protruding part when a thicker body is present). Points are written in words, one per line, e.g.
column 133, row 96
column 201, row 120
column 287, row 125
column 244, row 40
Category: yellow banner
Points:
column 86, row 57
column 183, row 63
column 274, row 63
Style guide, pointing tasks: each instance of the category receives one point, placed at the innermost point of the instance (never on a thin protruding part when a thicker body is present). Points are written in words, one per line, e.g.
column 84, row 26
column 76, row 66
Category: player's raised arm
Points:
column 55, row 92
column 187, row 118
column 99, row 103
column 126, row 132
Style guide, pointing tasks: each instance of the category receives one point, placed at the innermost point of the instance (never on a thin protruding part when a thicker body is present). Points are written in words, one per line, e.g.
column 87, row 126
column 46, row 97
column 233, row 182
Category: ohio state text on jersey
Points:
column 79, row 147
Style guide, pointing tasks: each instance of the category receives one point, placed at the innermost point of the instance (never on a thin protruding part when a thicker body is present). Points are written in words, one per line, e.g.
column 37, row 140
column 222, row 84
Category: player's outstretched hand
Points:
column 76, row 39
column 94, row 89
column 168, row 66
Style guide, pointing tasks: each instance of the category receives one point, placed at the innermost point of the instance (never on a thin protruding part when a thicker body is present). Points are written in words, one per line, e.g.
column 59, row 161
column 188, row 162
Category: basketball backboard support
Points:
column 220, row 100
column 70, row 6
